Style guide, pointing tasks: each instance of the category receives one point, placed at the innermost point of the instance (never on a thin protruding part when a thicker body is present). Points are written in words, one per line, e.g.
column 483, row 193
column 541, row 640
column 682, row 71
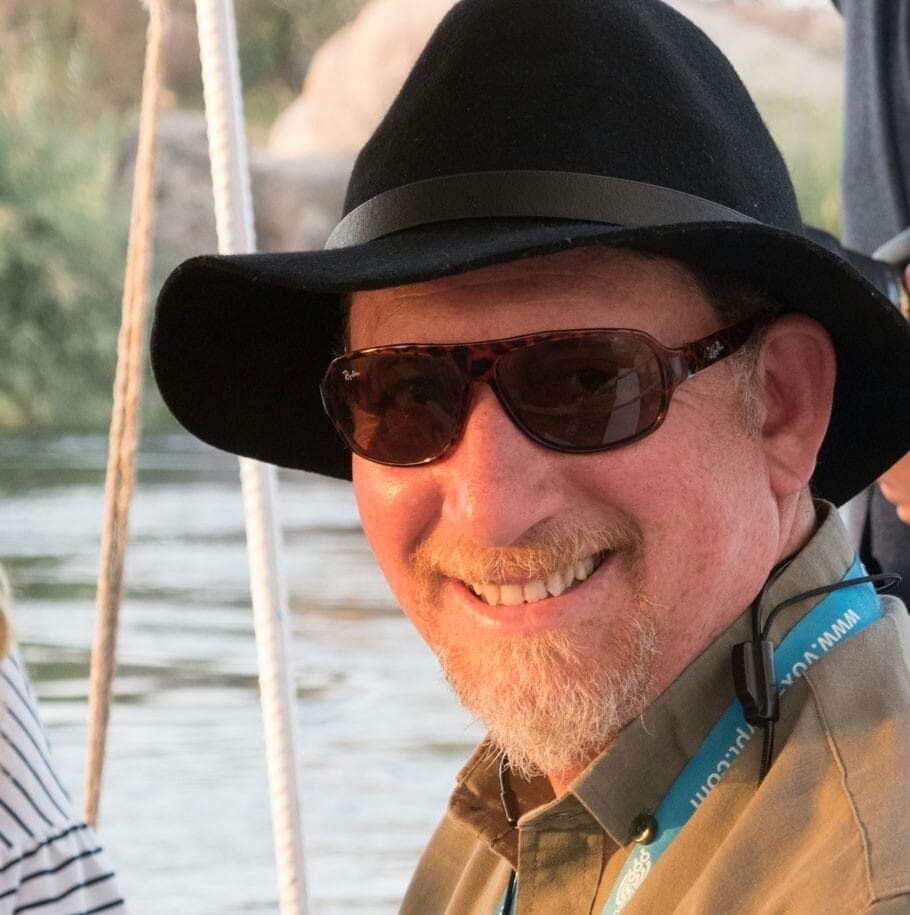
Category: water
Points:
column 185, row 809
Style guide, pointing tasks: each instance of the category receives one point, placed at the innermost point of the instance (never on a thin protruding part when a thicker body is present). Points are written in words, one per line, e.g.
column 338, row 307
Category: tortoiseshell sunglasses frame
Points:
column 476, row 362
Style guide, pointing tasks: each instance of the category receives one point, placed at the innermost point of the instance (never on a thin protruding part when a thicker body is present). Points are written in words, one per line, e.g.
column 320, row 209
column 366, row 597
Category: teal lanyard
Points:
column 840, row 615
column 508, row 899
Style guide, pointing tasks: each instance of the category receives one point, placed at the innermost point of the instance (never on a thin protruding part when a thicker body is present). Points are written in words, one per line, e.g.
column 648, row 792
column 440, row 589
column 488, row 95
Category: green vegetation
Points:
column 70, row 84
column 61, row 254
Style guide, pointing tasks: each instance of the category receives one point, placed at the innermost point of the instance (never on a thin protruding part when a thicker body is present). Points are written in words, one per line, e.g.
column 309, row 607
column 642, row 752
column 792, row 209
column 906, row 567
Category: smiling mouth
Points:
column 530, row 592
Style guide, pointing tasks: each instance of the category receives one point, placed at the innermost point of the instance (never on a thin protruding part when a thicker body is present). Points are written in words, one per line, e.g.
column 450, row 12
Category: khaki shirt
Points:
column 828, row 830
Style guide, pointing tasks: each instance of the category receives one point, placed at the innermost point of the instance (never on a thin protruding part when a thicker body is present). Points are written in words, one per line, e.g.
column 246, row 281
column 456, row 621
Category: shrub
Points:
column 62, row 245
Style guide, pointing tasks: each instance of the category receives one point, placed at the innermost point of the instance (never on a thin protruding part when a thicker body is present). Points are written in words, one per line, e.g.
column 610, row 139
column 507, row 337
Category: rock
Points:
column 354, row 77
column 803, row 72
column 356, row 74
column 184, row 211
column 296, row 202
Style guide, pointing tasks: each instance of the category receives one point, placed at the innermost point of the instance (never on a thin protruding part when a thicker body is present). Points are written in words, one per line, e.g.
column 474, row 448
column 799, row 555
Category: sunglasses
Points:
column 576, row 391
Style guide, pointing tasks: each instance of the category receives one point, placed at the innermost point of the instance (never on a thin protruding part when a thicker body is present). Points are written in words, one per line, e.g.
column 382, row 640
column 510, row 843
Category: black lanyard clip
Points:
column 755, row 682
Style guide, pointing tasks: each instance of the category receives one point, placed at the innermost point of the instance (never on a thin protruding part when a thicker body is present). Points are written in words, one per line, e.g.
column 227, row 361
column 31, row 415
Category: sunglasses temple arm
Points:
column 705, row 352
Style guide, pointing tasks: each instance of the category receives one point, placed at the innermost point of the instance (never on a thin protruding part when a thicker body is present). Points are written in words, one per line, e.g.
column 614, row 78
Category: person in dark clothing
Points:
column 876, row 206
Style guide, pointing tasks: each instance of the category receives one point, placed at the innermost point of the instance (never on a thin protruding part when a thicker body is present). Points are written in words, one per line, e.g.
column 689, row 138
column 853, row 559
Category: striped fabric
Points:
column 50, row 861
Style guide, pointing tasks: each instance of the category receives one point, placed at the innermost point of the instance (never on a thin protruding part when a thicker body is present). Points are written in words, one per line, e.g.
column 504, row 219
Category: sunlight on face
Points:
column 669, row 520
column 551, row 699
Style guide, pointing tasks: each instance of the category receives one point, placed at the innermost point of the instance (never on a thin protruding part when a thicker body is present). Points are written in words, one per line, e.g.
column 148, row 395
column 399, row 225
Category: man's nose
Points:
column 497, row 483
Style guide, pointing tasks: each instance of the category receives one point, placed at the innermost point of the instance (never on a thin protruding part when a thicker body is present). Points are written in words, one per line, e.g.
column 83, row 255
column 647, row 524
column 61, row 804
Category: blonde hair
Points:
column 6, row 606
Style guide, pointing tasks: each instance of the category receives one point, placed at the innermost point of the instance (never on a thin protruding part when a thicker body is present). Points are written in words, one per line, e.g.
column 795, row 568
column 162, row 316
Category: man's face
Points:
column 675, row 524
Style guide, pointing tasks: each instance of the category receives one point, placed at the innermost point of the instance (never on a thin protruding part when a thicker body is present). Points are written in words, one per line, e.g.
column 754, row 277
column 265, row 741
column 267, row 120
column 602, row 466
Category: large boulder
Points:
column 184, row 217
column 296, row 202
column 357, row 73
column 354, row 76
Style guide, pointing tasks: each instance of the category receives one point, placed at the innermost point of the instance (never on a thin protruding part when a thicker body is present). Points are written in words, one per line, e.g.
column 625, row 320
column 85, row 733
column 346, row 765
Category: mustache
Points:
column 542, row 552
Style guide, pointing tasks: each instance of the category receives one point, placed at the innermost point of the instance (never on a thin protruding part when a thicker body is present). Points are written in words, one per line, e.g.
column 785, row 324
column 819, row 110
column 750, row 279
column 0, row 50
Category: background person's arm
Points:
column 895, row 484
column 895, row 487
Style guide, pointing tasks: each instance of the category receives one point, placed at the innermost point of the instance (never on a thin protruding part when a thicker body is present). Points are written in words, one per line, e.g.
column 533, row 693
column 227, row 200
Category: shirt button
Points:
column 643, row 829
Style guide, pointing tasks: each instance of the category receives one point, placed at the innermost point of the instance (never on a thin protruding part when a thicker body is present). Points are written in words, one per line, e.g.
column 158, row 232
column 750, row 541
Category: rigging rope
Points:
column 236, row 235
column 124, row 432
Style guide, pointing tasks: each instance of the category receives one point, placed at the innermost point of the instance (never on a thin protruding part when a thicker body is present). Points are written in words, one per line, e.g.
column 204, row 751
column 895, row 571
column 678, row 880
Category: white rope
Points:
column 124, row 433
column 236, row 235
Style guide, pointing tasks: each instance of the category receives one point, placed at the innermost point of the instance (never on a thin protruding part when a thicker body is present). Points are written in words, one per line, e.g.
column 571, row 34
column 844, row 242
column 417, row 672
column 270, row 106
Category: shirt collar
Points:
column 641, row 764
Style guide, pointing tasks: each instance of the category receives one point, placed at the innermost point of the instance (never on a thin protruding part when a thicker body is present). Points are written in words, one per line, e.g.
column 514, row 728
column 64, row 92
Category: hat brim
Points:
column 240, row 343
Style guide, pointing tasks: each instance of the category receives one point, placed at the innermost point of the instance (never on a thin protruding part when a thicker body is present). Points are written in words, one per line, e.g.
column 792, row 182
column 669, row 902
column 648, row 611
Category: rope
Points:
column 124, row 432
column 236, row 235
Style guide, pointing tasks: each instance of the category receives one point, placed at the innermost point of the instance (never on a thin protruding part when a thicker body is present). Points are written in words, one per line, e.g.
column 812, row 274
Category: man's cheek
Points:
column 393, row 510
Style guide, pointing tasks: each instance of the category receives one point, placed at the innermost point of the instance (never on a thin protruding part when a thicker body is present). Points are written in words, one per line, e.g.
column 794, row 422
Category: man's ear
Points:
column 796, row 376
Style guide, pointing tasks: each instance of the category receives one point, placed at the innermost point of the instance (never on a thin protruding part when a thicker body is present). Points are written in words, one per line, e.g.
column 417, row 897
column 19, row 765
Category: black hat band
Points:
column 525, row 193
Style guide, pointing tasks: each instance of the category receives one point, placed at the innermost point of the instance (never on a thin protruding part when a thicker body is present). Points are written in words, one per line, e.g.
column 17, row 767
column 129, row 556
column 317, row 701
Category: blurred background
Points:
column 184, row 812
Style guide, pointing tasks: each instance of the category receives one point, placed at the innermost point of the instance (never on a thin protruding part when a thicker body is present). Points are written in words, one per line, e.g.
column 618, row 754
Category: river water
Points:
column 185, row 809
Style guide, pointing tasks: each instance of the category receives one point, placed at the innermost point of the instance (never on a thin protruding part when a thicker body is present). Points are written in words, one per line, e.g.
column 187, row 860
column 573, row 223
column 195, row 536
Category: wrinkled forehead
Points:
column 581, row 288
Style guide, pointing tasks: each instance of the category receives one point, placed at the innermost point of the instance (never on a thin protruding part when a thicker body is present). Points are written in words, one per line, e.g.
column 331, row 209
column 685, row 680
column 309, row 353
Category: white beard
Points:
column 553, row 701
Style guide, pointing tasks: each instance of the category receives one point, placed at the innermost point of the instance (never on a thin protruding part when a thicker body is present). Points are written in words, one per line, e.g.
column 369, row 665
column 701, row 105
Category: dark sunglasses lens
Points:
column 395, row 407
column 584, row 393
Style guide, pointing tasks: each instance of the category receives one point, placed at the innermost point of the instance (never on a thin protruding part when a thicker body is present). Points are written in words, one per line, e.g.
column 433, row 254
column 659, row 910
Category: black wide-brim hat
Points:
column 528, row 127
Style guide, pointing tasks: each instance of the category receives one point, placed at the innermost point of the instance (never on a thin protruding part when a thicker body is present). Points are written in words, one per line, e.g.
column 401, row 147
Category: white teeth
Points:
column 556, row 584
column 490, row 593
column 511, row 595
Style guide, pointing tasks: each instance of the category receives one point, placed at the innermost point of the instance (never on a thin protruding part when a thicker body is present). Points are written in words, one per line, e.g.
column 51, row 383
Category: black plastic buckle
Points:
column 755, row 682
